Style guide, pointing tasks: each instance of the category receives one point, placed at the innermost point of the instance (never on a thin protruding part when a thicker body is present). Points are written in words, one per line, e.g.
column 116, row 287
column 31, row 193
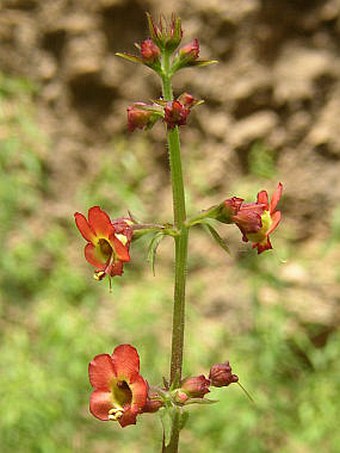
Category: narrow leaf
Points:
column 128, row 57
column 220, row 241
column 202, row 63
column 202, row 401
column 153, row 246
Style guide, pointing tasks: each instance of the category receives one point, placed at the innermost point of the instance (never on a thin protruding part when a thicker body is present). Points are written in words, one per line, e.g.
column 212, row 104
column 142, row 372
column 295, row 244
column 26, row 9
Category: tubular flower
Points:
column 108, row 242
column 120, row 392
column 258, row 220
column 255, row 220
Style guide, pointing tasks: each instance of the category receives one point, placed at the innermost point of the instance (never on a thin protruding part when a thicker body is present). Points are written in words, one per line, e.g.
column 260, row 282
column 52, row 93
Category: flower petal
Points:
column 100, row 222
column 92, row 258
column 139, row 389
column 120, row 249
column 262, row 197
column 101, row 372
column 126, row 362
column 262, row 246
column 100, row 404
column 276, row 197
column 128, row 418
column 84, row 227
column 115, row 268
column 276, row 217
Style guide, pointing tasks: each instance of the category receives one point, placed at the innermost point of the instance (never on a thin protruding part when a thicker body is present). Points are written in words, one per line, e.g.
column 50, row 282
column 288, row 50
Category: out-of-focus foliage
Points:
column 54, row 319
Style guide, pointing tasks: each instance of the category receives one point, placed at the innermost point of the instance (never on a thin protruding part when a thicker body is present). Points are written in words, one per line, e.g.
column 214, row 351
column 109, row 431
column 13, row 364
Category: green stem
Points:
column 181, row 248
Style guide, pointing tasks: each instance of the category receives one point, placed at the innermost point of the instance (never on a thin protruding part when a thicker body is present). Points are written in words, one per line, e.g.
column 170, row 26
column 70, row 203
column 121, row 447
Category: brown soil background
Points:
column 277, row 83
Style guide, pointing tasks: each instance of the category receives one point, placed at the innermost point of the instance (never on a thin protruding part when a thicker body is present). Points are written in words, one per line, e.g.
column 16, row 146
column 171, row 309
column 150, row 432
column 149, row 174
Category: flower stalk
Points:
column 181, row 252
column 120, row 393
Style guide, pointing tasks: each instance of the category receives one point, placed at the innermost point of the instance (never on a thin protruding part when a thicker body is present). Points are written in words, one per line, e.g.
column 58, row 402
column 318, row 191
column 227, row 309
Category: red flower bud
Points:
column 196, row 387
column 142, row 116
column 166, row 35
column 153, row 401
column 189, row 52
column 221, row 375
column 150, row 51
column 180, row 397
column 175, row 114
column 187, row 100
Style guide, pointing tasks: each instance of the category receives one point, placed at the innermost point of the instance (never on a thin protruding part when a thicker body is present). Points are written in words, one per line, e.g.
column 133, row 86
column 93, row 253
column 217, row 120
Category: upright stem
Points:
column 181, row 247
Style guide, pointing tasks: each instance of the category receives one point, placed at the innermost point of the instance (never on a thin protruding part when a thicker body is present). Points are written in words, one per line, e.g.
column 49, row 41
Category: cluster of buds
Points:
column 173, row 113
column 165, row 38
column 120, row 393
column 161, row 53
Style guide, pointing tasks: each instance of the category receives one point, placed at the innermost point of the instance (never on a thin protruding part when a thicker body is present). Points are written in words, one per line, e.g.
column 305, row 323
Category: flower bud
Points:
column 142, row 116
column 153, row 401
column 190, row 52
column 150, row 51
column 187, row 100
column 196, row 387
column 187, row 55
column 175, row 114
column 180, row 397
column 221, row 375
column 225, row 211
column 166, row 35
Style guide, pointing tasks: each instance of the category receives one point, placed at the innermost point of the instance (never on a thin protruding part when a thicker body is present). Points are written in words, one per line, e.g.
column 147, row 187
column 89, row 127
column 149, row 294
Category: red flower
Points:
column 258, row 220
column 120, row 392
column 255, row 220
column 108, row 242
column 149, row 51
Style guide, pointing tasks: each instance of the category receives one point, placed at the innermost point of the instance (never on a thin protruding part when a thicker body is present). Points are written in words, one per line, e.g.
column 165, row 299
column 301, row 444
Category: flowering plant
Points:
column 120, row 392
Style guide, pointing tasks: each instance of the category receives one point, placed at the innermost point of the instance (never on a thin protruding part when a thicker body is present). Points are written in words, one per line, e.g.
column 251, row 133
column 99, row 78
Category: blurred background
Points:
column 271, row 113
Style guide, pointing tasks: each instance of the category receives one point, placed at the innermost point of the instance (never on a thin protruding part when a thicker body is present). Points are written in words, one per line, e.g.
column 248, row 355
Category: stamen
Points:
column 115, row 413
column 99, row 275
column 122, row 238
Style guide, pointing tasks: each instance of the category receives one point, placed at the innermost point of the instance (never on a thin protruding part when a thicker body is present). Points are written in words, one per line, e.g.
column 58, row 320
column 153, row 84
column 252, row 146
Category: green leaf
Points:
column 202, row 401
column 153, row 246
column 220, row 241
column 202, row 63
column 167, row 416
column 128, row 57
column 184, row 416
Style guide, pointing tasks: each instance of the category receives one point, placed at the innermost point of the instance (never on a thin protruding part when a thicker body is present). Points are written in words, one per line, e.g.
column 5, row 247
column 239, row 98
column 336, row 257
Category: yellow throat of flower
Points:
column 261, row 235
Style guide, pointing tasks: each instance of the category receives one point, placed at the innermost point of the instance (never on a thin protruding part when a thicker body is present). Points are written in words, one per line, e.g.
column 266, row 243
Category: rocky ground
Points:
column 277, row 87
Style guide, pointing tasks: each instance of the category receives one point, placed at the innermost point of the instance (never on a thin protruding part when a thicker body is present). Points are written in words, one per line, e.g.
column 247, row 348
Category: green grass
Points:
column 55, row 318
